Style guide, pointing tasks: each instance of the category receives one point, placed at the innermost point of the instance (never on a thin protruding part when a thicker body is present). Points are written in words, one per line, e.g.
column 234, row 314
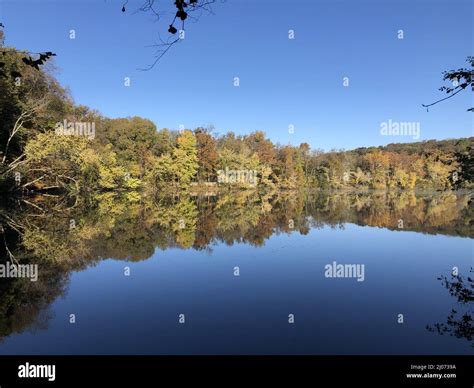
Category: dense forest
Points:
column 47, row 142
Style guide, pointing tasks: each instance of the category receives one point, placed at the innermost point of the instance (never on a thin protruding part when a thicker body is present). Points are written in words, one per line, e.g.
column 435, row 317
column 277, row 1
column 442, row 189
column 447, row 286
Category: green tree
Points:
column 185, row 159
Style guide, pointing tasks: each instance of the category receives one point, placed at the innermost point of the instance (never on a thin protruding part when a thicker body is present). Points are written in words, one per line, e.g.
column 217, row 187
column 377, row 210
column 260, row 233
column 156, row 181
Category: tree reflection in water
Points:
column 460, row 322
column 62, row 235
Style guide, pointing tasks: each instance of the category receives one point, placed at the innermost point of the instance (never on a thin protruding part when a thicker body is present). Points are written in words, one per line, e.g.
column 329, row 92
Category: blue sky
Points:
column 283, row 82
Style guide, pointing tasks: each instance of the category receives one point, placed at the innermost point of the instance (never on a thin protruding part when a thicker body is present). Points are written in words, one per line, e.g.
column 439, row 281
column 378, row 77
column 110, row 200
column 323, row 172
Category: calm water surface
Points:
column 183, row 255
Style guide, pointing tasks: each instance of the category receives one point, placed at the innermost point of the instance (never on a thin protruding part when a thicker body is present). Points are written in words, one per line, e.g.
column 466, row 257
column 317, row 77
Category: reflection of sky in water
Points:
column 249, row 314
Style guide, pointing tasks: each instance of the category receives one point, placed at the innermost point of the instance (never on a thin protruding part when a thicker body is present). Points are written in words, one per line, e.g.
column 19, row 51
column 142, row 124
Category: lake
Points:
column 242, row 273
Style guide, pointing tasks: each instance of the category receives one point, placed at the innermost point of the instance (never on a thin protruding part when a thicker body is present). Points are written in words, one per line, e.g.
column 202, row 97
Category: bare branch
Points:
column 185, row 9
column 460, row 79
column 443, row 99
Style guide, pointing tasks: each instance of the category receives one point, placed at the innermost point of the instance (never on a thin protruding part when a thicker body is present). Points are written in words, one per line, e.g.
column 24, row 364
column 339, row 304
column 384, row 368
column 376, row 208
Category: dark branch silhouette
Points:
column 185, row 10
column 459, row 324
column 460, row 80
column 27, row 59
